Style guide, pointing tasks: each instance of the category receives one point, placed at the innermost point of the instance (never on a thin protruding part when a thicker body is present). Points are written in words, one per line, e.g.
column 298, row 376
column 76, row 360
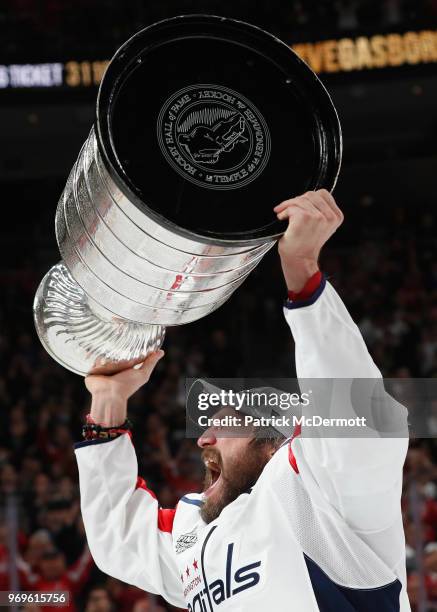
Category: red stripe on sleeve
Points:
column 141, row 484
column 165, row 520
column 165, row 516
column 291, row 457
column 310, row 287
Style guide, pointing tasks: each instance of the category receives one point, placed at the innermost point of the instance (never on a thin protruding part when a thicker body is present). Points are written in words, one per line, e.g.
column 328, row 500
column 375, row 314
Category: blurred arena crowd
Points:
column 388, row 279
column 56, row 27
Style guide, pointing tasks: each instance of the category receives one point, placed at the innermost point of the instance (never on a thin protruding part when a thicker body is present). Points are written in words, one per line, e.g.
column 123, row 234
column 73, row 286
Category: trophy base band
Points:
column 81, row 336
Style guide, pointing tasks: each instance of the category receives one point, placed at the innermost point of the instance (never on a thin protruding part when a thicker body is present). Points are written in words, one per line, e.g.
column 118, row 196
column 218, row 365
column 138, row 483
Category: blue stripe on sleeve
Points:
column 332, row 597
column 92, row 442
column 301, row 303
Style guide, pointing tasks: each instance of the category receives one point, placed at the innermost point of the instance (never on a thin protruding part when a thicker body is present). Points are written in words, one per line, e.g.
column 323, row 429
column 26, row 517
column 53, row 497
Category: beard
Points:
column 239, row 473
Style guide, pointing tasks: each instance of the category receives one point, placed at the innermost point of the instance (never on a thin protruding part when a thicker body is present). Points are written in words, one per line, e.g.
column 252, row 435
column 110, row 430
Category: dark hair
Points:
column 270, row 436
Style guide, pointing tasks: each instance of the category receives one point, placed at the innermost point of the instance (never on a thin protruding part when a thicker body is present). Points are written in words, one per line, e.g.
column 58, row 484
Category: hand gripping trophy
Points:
column 202, row 125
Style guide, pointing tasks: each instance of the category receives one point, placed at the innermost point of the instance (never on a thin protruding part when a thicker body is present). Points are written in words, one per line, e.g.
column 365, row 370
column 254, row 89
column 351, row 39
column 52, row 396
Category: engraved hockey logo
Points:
column 213, row 137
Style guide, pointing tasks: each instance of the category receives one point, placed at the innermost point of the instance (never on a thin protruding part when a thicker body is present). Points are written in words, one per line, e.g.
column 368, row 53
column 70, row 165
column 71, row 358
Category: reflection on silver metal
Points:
column 79, row 338
column 125, row 276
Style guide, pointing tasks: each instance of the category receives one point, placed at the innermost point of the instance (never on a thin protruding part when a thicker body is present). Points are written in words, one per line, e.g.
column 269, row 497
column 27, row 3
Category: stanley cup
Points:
column 203, row 124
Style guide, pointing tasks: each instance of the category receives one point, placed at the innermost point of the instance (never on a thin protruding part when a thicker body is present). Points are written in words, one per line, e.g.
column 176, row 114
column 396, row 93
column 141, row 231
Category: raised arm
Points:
column 128, row 534
column 361, row 477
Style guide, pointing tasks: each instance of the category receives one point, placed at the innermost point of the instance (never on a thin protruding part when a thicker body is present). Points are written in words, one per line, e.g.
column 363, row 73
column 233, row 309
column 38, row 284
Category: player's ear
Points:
column 275, row 443
column 270, row 449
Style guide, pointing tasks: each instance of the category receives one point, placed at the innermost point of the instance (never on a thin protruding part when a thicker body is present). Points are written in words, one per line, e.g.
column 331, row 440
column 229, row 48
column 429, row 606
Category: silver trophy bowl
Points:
column 168, row 207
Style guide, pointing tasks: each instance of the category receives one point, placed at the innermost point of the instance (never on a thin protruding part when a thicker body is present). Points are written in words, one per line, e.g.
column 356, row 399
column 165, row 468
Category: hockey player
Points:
column 321, row 528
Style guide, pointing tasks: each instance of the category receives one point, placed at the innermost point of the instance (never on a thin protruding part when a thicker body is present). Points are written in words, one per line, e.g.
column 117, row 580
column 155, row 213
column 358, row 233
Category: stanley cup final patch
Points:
column 186, row 541
column 213, row 136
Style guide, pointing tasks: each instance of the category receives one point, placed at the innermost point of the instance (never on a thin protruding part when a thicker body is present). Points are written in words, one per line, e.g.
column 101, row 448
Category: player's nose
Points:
column 207, row 439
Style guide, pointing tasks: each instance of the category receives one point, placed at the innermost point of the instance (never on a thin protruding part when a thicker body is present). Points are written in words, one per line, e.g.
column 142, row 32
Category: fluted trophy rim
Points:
column 152, row 36
column 64, row 317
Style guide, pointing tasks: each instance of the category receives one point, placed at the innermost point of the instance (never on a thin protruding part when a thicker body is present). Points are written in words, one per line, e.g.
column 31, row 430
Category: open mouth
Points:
column 213, row 471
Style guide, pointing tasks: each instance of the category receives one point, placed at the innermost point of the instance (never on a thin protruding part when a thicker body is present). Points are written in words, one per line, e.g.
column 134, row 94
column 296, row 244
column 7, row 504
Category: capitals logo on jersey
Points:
column 233, row 581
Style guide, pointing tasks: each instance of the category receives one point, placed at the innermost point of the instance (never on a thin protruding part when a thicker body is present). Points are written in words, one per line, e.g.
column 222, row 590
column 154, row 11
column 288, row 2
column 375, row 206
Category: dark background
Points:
column 383, row 261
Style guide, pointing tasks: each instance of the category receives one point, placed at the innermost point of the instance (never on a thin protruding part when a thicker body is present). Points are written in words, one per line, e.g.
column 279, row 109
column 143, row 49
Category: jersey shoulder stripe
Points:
column 190, row 500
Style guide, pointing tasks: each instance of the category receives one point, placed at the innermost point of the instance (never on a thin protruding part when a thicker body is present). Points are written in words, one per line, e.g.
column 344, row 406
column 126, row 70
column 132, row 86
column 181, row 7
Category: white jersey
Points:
column 320, row 530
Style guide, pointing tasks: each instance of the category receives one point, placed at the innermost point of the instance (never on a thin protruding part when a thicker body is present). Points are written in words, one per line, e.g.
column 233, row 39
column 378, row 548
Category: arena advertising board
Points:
column 345, row 55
